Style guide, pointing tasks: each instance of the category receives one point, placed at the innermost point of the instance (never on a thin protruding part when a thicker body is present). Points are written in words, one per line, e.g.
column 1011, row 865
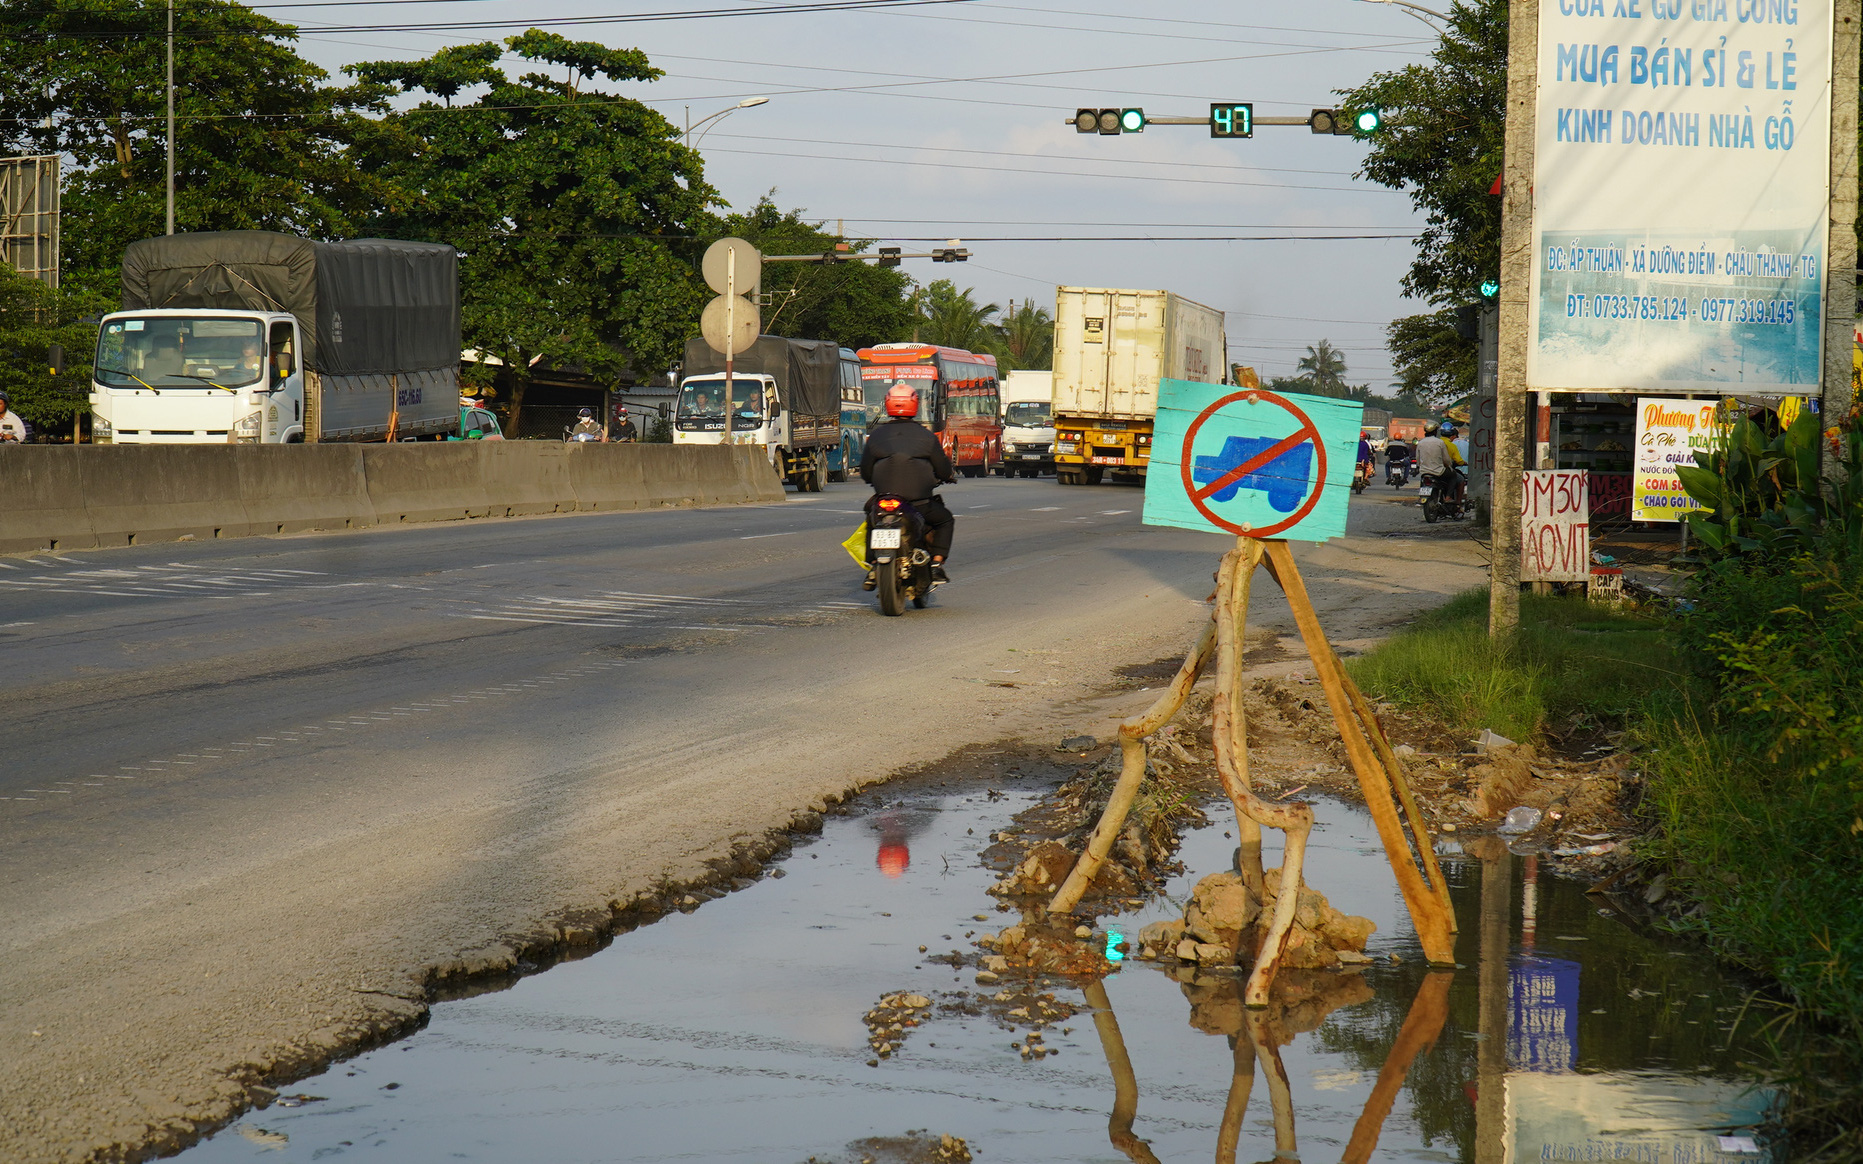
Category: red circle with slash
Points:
column 1307, row 431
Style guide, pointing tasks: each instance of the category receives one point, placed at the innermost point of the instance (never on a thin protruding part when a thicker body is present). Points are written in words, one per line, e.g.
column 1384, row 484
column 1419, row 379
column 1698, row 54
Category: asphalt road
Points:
column 253, row 789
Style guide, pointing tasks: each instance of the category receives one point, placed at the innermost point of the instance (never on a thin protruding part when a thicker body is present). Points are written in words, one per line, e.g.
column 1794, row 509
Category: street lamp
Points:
column 746, row 103
column 1416, row 10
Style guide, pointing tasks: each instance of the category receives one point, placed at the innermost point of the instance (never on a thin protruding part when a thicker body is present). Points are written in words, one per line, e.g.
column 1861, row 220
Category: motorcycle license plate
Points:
column 885, row 539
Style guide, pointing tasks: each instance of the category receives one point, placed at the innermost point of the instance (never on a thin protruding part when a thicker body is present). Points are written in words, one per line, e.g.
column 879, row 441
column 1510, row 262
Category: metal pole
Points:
column 171, row 117
column 730, row 337
column 1510, row 413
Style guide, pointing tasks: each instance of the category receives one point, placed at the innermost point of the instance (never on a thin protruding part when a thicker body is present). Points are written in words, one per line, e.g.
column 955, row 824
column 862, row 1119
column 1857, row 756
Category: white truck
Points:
column 251, row 337
column 1028, row 424
column 1111, row 347
column 785, row 396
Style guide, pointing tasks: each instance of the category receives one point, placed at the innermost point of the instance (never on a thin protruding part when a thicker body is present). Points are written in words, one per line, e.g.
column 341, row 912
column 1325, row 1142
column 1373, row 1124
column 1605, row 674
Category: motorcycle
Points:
column 1361, row 476
column 901, row 563
column 1396, row 473
column 1443, row 500
column 573, row 437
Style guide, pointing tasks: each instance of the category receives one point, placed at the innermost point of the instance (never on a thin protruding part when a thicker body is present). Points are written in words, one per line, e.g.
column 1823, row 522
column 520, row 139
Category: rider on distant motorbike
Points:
column 1437, row 458
column 585, row 425
column 904, row 459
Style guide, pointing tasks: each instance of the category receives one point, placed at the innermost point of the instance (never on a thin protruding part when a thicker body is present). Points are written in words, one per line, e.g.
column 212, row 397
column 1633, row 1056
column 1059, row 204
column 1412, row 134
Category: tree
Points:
column 1027, row 338
column 856, row 304
column 261, row 141
column 33, row 317
column 576, row 212
column 1442, row 141
column 1325, row 369
column 1434, row 364
column 954, row 319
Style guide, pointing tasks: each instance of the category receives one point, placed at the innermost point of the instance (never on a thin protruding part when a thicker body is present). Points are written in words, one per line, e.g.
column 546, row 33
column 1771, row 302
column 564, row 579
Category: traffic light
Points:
column 1361, row 122
column 889, row 256
column 950, row 255
column 1490, row 288
column 1232, row 119
column 1468, row 322
column 1109, row 121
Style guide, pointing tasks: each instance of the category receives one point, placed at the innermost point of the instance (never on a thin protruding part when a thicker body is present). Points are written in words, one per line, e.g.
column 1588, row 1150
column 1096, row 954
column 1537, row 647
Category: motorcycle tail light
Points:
column 889, row 504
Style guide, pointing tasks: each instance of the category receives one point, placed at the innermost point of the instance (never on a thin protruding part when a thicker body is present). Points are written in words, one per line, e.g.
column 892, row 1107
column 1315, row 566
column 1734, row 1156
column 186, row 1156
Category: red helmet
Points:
column 901, row 400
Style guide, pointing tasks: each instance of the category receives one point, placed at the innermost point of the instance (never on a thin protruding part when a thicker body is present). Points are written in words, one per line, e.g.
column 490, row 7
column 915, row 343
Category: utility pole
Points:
column 170, row 183
column 1510, row 413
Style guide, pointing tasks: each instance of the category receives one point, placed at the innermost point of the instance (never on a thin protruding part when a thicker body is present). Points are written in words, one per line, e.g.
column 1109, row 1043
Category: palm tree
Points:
column 954, row 318
column 1028, row 337
column 1326, row 368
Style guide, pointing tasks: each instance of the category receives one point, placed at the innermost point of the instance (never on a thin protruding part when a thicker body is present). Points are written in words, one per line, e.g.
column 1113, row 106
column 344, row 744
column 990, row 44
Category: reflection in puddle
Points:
column 737, row 1032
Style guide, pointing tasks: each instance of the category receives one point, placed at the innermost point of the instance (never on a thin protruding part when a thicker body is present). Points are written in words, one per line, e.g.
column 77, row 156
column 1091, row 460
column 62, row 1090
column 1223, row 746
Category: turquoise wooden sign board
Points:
column 1249, row 462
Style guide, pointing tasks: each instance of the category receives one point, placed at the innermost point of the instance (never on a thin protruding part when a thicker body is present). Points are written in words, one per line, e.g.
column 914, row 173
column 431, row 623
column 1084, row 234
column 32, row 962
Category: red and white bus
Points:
column 957, row 398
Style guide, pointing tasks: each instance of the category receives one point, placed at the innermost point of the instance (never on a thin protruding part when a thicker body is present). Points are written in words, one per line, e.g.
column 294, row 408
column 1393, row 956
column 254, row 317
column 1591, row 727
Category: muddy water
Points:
column 736, row 1033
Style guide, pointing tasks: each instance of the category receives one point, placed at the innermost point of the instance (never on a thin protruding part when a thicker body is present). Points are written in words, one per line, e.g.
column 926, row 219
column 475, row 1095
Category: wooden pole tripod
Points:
column 1380, row 773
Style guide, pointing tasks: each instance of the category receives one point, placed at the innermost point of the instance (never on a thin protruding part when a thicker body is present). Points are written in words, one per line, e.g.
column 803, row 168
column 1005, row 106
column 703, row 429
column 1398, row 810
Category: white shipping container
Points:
column 1112, row 346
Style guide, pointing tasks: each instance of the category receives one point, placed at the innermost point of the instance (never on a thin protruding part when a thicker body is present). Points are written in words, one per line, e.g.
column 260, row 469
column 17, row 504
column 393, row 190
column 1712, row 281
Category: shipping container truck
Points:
column 785, row 397
column 1111, row 347
column 251, row 337
column 1028, row 423
column 1406, row 429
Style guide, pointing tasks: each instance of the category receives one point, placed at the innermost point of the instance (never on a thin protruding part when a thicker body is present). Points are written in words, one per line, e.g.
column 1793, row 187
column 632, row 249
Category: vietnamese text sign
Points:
column 1681, row 178
column 1542, row 1022
column 1669, row 433
column 1555, row 526
column 1251, row 462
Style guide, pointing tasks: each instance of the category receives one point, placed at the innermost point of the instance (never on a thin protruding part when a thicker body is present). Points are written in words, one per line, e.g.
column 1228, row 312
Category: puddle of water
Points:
column 736, row 1033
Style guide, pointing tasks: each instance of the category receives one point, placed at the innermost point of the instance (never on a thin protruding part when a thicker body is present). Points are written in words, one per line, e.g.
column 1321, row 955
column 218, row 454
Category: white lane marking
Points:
column 1047, row 509
column 1113, row 512
column 754, row 537
column 8, row 566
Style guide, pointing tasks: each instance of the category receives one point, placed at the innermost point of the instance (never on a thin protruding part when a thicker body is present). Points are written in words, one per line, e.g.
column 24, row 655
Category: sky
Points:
column 917, row 124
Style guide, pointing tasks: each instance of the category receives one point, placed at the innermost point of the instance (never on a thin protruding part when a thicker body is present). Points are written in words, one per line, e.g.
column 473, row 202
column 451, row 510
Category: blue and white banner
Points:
column 1681, row 195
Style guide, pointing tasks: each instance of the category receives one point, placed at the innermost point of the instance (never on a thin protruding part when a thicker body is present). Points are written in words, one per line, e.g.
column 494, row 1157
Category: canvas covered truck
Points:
column 251, row 337
column 1111, row 347
column 785, row 396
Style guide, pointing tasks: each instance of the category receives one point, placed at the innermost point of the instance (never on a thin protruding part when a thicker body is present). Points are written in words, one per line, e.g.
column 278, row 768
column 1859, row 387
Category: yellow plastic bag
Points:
column 856, row 546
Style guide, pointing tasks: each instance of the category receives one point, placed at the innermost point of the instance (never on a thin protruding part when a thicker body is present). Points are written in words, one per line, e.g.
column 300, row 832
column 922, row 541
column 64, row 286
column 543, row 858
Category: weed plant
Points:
column 1571, row 663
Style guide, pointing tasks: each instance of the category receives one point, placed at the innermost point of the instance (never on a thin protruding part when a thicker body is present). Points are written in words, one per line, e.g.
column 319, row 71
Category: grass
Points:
column 1571, row 663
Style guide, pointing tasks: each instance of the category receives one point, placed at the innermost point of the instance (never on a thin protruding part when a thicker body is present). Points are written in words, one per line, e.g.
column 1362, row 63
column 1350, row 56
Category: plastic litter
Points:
column 1490, row 739
column 1520, row 820
column 1586, row 850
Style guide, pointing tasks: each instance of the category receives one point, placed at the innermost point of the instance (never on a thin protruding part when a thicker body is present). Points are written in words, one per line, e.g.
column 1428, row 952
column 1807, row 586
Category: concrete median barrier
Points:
column 42, row 501
column 60, row 497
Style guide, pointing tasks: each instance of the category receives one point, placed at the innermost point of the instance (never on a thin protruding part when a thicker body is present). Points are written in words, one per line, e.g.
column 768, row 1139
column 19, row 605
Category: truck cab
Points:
column 757, row 413
column 198, row 376
column 1028, row 424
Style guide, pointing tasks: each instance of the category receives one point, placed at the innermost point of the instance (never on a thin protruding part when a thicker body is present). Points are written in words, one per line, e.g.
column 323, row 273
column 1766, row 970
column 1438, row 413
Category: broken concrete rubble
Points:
column 1223, row 923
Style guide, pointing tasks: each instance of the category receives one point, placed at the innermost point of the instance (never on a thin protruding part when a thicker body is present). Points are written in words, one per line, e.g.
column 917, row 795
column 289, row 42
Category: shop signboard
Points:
column 1681, row 196
column 1669, row 433
column 1555, row 525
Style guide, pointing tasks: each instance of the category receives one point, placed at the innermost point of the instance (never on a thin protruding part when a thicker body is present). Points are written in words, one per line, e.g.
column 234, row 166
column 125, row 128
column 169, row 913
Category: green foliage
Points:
column 261, row 140
column 660, row 432
column 955, row 319
column 33, row 317
column 576, row 213
column 1766, row 493
column 1027, row 338
column 1442, row 141
column 856, row 304
column 1569, row 662
column 1434, row 364
column 1324, row 367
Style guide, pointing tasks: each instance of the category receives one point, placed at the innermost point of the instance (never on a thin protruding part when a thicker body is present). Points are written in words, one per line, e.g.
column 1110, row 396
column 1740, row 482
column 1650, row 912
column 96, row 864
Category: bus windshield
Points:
column 701, row 401
column 180, row 353
column 1027, row 414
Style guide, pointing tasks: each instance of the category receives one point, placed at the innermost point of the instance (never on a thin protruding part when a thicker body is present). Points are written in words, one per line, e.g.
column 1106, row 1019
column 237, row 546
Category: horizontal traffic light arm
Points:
column 828, row 258
column 1149, row 120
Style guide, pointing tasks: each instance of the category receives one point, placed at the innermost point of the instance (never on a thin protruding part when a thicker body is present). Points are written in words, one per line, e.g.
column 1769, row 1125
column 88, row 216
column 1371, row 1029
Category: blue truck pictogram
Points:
column 1283, row 479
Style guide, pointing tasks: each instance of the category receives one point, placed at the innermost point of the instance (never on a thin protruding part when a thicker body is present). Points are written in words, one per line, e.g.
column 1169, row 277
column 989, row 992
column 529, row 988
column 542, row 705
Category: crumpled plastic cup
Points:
column 1521, row 819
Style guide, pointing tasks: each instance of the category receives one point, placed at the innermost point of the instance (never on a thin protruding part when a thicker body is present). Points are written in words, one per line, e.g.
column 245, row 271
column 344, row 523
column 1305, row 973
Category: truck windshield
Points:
column 701, row 401
column 180, row 353
column 1026, row 414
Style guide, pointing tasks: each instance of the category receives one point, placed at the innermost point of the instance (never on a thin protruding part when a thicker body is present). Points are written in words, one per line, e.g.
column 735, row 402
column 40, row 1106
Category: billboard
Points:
column 1681, row 196
column 29, row 216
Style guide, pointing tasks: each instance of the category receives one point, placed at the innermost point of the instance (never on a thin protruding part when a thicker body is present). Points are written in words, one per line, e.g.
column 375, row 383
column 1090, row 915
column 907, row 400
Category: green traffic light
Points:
column 1368, row 120
column 1132, row 121
column 1490, row 288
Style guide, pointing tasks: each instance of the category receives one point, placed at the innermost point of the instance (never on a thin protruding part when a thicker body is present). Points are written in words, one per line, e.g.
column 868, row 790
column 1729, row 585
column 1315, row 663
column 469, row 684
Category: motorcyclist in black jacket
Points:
column 904, row 459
